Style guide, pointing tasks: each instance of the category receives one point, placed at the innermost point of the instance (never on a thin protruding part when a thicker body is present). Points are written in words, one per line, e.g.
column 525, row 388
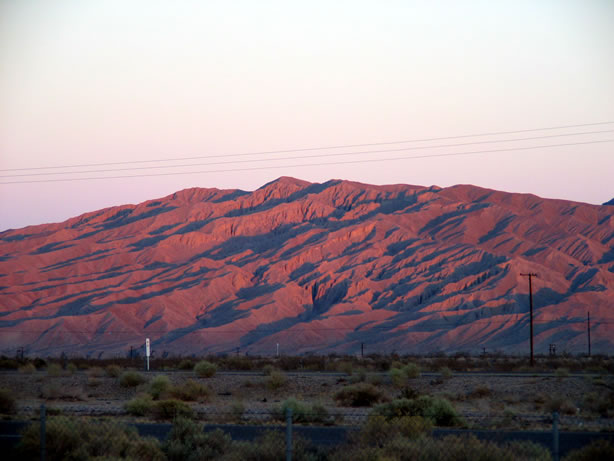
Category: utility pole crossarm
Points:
column 530, row 275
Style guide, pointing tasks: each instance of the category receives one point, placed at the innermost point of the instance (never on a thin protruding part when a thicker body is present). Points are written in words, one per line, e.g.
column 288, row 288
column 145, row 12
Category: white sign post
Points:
column 147, row 350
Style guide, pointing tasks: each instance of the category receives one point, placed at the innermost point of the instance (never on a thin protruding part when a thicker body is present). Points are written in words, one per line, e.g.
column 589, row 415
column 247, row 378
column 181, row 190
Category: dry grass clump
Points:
column 359, row 395
column 56, row 391
column 191, row 391
column 205, row 369
column 560, row 404
column 8, row 404
column 95, row 372
column 27, row 368
column 113, row 371
column 276, row 380
column 131, row 379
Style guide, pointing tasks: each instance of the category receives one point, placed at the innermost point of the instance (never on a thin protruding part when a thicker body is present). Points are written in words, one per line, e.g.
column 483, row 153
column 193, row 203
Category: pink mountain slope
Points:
column 314, row 268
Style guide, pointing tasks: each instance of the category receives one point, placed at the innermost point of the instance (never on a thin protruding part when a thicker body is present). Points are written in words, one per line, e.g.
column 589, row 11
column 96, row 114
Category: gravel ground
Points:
column 517, row 402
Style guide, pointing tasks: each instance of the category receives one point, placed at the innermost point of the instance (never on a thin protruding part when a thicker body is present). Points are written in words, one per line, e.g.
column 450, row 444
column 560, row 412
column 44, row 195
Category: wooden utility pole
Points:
column 531, row 275
column 588, row 330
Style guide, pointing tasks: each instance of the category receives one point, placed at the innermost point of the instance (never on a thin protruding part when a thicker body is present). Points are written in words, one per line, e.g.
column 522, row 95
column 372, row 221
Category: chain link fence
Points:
column 291, row 432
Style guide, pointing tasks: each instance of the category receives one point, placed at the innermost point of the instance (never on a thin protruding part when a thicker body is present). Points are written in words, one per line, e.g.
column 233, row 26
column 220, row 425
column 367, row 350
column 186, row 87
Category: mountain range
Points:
column 305, row 267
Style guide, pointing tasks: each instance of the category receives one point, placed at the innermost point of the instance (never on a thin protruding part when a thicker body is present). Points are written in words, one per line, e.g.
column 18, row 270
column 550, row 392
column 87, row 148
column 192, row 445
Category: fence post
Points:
column 43, row 418
column 288, row 434
column 555, row 436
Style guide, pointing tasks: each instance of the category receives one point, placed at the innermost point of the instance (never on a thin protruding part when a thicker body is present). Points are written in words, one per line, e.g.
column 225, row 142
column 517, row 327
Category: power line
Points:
column 347, row 162
column 303, row 157
column 493, row 133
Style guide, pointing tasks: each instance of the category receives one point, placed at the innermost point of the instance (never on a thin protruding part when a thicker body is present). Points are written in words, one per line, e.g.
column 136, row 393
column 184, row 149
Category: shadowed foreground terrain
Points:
column 313, row 268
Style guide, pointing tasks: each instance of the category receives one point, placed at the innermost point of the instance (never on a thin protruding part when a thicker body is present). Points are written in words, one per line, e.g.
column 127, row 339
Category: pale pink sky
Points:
column 110, row 81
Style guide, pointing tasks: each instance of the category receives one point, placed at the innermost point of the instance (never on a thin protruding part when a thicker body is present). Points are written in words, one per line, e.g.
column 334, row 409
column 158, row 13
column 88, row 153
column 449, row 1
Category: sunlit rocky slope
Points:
column 313, row 268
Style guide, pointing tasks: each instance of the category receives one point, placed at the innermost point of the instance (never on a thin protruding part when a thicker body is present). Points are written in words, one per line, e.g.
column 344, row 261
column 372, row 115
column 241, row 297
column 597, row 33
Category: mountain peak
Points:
column 375, row 263
column 611, row 202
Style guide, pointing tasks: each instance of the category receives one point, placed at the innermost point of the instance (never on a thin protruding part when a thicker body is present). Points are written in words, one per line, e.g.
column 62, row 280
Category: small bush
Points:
column 131, row 379
column 8, row 404
column 345, row 367
column 268, row 369
column 141, row 405
column 171, row 409
column 358, row 395
column 379, row 430
column 188, row 441
column 237, row 409
column 159, row 386
column 27, row 368
column 480, row 392
column 561, row 405
column 411, row 371
column 71, row 368
column 54, row 370
column 113, row 371
column 302, row 412
column 72, row 438
column 95, row 372
column 596, row 450
column 397, row 377
column 204, row 369
column 436, row 409
column 186, row 365
column 445, row 372
column 191, row 391
column 276, row 380
column 562, row 372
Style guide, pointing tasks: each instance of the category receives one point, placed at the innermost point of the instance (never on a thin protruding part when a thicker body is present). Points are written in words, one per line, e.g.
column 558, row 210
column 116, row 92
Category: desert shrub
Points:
column 191, row 391
column 302, row 412
column 8, row 404
column 141, row 405
column 596, row 450
column 205, row 369
column 345, row 367
column 479, row 392
column 358, row 395
column 359, row 376
column 397, row 377
column 374, row 379
column 71, row 438
column 95, row 372
column 436, row 409
column 379, row 430
column 54, row 370
column 113, row 371
column 187, row 441
column 560, row 404
column 272, row 447
column 276, row 380
column 55, row 391
column 171, row 409
column 268, row 369
column 27, row 368
column 238, row 362
column 600, row 403
column 411, row 371
column 445, row 372
column 159, row 386
column 186, row 364
column 131, row 379
column 8, row 364
column 71, row 368
column 561, row 372
column 237, row 409
column 452, row 447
